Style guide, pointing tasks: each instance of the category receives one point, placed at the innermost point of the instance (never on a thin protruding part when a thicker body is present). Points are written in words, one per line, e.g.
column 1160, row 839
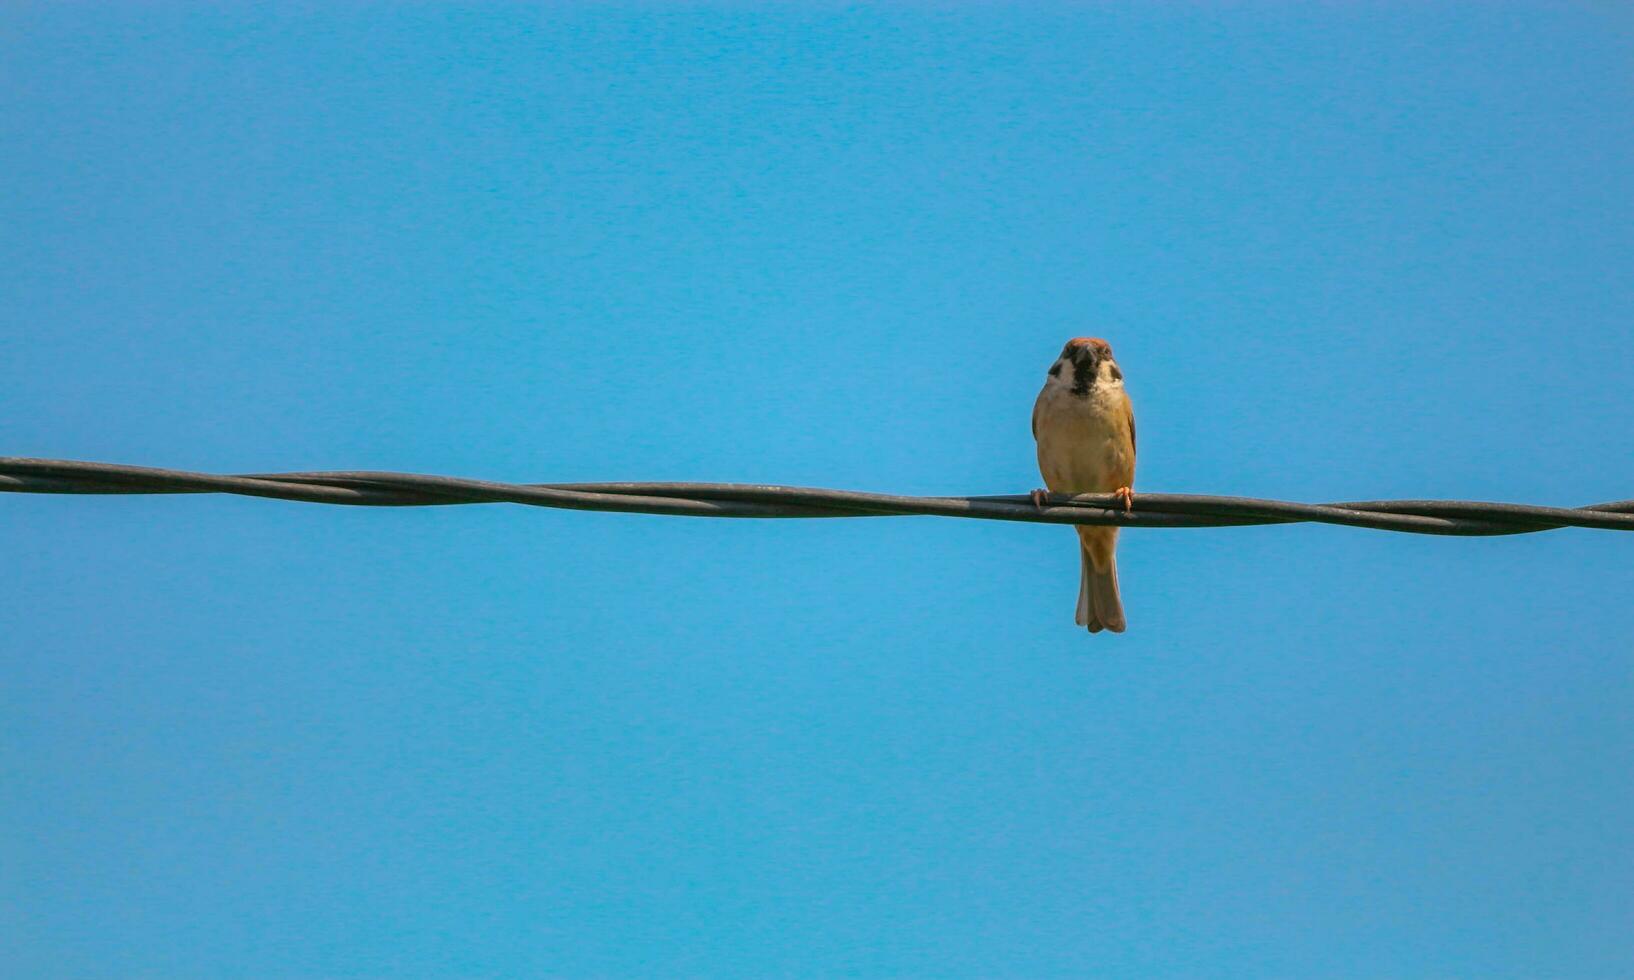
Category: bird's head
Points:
column 1085, row 362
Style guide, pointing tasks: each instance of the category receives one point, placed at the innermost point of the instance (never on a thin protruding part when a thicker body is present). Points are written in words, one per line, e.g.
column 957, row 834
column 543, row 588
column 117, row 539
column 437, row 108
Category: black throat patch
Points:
column 1084, row 363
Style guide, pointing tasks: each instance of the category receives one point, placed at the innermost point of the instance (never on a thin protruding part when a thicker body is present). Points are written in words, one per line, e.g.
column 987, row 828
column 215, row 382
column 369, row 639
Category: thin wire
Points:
column 1449, row 517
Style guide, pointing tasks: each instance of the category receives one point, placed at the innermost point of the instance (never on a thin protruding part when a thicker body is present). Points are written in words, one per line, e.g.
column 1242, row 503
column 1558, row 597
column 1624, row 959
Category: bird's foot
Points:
column 1127, row 495
column 1038, row 498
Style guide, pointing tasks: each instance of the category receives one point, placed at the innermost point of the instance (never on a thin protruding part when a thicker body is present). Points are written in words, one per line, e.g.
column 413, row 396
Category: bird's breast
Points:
column 1083, row 441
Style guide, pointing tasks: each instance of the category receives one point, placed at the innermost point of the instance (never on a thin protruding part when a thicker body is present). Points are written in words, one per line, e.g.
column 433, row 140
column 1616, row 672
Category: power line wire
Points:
column 1450, row 517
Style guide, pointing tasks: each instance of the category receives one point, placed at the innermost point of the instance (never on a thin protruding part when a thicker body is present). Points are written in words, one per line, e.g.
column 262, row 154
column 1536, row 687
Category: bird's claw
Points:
column 1038, row 498
column 1127, row 495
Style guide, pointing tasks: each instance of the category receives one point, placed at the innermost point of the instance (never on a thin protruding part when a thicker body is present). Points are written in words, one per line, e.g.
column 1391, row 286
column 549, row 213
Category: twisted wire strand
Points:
column 1447, row 517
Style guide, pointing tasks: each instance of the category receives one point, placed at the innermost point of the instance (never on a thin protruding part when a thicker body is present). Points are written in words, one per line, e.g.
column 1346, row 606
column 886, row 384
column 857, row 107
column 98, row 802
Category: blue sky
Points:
column 1342, row 252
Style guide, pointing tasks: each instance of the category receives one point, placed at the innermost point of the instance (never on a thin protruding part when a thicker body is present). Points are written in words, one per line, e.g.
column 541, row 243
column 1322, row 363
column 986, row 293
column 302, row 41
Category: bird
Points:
column 1085, row 428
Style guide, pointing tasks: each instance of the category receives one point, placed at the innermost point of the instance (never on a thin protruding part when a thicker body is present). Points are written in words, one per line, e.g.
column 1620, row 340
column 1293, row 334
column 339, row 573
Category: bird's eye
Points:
column 1055, row 370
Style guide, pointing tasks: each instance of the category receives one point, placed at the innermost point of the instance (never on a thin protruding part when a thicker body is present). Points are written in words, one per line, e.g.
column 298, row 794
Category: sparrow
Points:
column 1085, row 429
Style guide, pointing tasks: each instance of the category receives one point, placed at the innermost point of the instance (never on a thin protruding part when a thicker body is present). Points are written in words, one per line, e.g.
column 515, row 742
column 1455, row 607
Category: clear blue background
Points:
column 1341, row 253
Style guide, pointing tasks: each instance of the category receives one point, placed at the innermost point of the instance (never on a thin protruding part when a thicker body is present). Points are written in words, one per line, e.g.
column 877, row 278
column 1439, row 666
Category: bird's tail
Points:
column 1099, row 606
